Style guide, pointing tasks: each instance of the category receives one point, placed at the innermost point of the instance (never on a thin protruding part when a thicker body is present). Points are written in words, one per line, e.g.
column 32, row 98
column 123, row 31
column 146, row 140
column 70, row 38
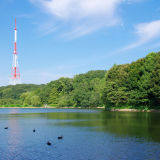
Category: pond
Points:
column 87, row 135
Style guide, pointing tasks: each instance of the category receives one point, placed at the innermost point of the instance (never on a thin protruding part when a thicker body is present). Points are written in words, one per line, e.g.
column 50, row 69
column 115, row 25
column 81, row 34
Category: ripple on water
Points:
column 87, row 135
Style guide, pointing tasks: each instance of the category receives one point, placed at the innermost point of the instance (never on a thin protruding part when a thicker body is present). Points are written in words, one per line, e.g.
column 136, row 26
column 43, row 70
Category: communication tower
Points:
column 15, row 74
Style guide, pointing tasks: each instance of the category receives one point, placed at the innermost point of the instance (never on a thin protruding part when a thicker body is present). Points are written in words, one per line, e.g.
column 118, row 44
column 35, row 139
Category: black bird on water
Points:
column 49, row 143
column 34, row 130
column 5, row 127
column 60, row 137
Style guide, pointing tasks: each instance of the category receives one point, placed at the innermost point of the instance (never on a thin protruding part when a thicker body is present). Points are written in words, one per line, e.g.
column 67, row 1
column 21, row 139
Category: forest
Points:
column 135, row 85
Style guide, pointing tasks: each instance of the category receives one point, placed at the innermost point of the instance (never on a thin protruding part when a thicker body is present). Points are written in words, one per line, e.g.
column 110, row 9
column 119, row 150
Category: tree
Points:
column 136, row 84
column 29, row 98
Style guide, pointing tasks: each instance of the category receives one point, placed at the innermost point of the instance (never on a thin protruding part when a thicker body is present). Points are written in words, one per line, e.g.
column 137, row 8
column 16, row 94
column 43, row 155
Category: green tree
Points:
column 29, row 98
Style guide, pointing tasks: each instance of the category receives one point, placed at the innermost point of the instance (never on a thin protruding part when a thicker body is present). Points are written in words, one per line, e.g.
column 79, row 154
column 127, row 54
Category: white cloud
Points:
column 82, row 16
column 145, row 32
column 73, row 9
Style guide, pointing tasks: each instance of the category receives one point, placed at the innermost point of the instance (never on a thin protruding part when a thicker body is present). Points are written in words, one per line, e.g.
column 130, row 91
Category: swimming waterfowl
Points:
column 6, row 128
column 34, row 130
column 49, row 143
column 60, row 137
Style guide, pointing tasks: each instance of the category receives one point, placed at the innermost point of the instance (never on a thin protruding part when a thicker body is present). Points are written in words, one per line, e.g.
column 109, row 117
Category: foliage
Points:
column 84, row 90
column 29, row 98
column 11, row 95
column 135, row 85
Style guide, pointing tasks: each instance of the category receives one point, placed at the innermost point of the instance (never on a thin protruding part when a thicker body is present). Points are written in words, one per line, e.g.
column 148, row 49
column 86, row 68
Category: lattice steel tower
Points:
column 15, row 74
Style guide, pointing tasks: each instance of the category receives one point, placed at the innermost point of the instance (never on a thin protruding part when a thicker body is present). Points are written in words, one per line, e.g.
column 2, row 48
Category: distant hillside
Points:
column 11, row 94
column 82, row 90
column 135, row 85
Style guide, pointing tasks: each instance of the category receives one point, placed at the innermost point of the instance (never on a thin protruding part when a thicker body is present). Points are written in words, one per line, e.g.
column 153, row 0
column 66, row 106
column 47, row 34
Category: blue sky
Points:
column 61, row 38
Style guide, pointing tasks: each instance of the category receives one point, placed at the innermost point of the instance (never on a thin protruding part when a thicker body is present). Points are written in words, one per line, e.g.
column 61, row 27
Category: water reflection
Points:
column 88, row 134
column 14, row 136
column 143, row 125
column 14, row 111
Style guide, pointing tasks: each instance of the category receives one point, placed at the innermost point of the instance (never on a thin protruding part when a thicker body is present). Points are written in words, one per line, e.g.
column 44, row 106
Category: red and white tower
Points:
column 15, row 74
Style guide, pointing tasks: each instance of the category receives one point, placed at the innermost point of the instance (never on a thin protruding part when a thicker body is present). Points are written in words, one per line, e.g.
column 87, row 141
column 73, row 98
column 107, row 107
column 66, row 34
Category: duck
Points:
column 60, row 137
column 49, row 143
column 5, row 127
column 34, row 130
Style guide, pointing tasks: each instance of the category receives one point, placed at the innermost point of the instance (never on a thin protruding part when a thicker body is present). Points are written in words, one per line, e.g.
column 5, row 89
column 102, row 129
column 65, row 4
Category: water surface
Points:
column 88, row 135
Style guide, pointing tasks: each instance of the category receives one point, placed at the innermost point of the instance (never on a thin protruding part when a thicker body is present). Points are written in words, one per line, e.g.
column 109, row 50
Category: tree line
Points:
column 135, row 85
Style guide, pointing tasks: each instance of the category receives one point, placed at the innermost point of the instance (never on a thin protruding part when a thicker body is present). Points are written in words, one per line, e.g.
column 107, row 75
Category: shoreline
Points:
column 56, row 107
column 134, row 110
column 110, row 110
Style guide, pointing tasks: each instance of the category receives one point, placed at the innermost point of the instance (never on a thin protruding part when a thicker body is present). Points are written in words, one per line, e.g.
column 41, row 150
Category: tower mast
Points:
column 15, row 75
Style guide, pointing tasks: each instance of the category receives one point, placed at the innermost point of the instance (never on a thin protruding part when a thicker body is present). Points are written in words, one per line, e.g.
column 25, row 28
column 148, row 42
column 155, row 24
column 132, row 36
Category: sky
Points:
column 62, row 38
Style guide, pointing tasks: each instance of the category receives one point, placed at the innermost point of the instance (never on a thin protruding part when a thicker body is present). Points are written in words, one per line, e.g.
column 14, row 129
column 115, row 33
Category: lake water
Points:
column 87, row 135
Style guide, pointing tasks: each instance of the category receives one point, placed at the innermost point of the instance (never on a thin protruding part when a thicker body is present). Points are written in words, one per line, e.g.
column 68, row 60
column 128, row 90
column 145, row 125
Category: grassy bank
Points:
column 112, row 109
column 134, row 110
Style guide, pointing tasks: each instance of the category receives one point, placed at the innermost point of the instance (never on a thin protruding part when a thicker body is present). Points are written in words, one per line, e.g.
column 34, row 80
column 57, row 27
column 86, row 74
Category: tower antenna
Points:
column 15, row 74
